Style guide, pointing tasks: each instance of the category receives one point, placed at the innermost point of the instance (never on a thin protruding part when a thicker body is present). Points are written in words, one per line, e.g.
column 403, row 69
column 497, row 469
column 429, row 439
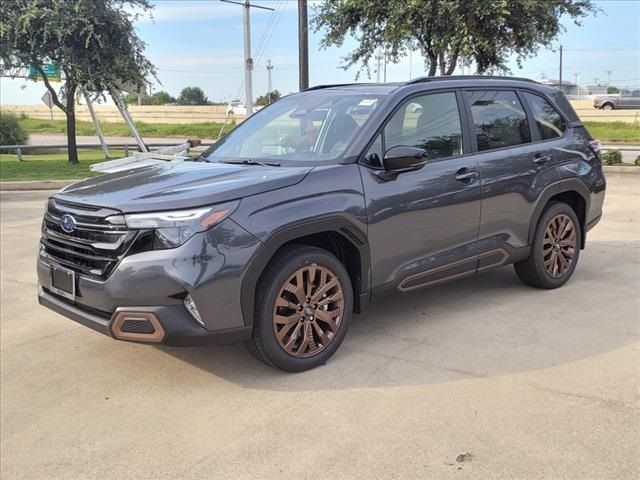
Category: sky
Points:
column 200, row 43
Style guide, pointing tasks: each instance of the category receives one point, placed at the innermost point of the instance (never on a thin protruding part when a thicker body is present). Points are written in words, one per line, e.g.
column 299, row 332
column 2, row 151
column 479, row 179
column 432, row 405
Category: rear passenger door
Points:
column 515, row 165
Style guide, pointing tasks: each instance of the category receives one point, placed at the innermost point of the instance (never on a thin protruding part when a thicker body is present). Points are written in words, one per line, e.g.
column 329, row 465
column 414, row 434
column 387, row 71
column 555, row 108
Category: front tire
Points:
column 608, row 106
column 555, row 250
column 304, row 304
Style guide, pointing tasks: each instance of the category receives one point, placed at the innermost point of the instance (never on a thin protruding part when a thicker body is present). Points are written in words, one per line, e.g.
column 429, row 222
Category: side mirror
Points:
column 399, row 159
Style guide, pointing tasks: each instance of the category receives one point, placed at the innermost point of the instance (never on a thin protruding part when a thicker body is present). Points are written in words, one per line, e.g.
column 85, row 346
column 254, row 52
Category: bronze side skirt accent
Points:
column 504, row 255
column 155, row 337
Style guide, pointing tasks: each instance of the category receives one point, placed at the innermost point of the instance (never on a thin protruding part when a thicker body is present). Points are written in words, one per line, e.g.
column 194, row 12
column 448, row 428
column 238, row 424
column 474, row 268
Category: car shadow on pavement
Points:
column 484, row 326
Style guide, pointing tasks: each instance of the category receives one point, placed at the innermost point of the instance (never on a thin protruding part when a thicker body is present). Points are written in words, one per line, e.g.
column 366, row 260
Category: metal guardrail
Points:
column 20, row 149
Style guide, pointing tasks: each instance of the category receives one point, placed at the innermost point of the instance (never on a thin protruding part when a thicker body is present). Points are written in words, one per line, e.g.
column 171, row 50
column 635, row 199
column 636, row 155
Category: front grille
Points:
column 95, row 246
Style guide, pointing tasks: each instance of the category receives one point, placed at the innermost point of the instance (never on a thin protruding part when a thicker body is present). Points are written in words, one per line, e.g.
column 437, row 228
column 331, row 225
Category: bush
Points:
column 637, row 162
column 611, row 157
column 11, row 132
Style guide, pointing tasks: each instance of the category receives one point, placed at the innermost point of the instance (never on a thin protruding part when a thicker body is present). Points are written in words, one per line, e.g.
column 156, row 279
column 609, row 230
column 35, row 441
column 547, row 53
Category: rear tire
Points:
column 304, row 304
column 608, row 106
column 555, row 250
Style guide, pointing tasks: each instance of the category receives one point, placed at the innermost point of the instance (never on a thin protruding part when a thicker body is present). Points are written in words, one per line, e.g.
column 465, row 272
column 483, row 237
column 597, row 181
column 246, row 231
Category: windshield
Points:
column 310, row 126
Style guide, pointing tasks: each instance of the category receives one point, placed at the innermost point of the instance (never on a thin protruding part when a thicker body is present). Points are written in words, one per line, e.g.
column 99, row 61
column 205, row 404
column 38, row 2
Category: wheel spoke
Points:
column 322, row 336
column 286, row 329
column 292, row 339
column 297, row 291
column 328, row 317
column 336, row 297
column 325, row 288
column 311, row 277
column 285, row 320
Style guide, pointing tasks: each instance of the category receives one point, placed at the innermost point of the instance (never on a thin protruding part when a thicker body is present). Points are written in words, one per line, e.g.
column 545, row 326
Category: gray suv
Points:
column 316, row 205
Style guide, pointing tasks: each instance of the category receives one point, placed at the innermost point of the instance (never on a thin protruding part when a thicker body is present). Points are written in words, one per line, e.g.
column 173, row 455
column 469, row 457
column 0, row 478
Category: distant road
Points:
column 53, row 138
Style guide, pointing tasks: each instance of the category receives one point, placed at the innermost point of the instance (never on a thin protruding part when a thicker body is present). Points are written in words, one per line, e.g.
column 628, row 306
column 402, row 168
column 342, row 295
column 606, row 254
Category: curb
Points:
column 36, row 185
column 628, row 169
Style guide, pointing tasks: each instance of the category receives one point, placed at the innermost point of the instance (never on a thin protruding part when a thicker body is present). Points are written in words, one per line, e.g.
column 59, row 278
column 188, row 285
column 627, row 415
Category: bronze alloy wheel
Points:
column 559, row 245
column 308, row 311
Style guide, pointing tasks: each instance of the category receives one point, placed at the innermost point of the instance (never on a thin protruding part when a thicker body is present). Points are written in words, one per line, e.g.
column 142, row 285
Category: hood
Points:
column 177, row 185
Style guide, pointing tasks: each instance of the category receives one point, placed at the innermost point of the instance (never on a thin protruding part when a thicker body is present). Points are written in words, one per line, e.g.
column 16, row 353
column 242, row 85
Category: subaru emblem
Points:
column 67, row 223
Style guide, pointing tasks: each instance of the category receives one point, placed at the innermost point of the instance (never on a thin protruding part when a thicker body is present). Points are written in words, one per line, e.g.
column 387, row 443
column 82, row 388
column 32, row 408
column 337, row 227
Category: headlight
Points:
column 173, row 228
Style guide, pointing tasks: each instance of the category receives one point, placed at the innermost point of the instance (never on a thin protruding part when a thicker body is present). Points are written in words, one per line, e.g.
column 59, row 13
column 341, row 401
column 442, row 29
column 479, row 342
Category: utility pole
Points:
column 609, row 72
column 560, row 79
column 303, row 45
column 248, row 61
column 385, row 67
column 269, row 68
column 409, row 63
column 379, row 60
column 576, row 75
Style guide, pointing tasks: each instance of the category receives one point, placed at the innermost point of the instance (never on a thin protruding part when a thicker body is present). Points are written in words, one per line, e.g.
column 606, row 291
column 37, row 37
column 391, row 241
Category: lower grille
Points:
column 137, row 326
column 92, row 242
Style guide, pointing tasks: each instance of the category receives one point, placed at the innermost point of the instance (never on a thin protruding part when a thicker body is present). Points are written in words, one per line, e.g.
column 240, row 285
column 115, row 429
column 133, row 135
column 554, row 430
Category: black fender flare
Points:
column 556, row 188
column 337, row 223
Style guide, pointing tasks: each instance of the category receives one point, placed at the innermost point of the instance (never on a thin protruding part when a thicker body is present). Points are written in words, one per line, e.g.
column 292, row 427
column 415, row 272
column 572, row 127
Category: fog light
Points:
column 190, row 305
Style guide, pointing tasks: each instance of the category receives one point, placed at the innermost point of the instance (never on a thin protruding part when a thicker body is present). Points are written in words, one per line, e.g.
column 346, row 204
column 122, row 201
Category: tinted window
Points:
column 431, row 122
column 549, row 121
column 499, row 119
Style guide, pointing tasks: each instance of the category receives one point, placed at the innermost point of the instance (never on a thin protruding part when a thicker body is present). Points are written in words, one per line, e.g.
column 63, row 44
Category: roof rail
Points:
column 466, row 77
column 352, row 84
column 320, row 87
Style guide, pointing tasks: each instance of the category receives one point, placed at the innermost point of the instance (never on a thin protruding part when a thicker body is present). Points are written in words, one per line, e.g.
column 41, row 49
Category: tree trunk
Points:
column 433, row 65
column 72, row 146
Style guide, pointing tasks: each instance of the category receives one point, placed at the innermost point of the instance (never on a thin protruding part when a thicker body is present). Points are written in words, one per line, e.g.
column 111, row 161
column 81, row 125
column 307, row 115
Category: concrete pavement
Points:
column 529, row 383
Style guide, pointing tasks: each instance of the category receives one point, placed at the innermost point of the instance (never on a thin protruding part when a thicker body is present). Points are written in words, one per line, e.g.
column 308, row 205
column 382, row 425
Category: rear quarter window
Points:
column 549, row 122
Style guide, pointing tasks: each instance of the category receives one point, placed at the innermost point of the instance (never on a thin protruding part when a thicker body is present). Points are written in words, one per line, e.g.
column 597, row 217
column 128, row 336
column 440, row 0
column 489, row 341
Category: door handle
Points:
column 465, row 174
column 542, row 159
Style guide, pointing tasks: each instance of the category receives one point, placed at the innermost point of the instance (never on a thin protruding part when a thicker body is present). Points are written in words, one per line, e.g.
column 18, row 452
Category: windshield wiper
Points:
column 251, row 162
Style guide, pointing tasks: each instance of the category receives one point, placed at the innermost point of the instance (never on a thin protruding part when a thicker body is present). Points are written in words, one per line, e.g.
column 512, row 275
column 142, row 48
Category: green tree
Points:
column 489, row 32
column 264, row 99
column 93, row 41
column 192, row 96
column 158, row 98
column 613, row 90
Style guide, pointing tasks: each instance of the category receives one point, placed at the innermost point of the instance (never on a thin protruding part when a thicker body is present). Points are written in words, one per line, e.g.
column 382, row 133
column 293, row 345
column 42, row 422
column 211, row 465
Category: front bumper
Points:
column 178, row 328
column 209, row 267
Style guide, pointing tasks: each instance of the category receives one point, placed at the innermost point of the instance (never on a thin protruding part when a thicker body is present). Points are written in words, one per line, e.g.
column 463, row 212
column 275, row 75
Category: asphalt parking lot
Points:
column 483, row 378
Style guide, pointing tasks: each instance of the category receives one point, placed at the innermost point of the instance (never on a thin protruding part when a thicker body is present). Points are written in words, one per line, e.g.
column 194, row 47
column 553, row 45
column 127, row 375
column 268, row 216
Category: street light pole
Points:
column 248, row 61
column 303, row 45
column 269, row 68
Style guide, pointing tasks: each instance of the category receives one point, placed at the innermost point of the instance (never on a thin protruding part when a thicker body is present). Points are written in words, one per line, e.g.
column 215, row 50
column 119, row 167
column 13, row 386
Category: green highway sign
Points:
column 51, row 70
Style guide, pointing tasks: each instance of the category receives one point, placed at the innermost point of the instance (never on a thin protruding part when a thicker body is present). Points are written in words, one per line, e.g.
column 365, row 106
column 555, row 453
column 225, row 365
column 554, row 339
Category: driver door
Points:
column 423, row 224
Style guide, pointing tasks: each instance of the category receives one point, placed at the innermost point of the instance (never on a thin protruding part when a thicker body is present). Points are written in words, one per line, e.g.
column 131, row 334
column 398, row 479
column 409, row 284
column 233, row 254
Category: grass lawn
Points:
column 195, row 130
column 606, row 132
column 615, row 132
column 50, row 166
